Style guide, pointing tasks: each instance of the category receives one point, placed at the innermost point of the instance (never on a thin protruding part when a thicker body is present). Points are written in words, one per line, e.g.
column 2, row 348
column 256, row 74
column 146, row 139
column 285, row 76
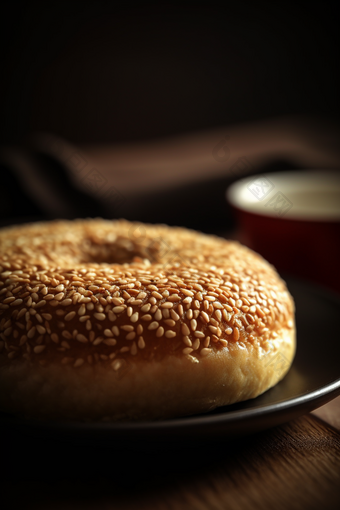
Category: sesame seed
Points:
column 158, row 315
column 153, row 325
column 127, row 327
column 157, row 295
column 130, row 336
column 141, row 343
column 185, row 330
column 213, row 329
column 167, row 304
column 205, row 352
column 165, row 313
column 43, row 302
column 187, row 292
column 70, row 316
column 193, row 324
column 187, row 300
column 118, row 309
column 218, row 315
column 117, row 364
column 110, row 341
column 199, row 334
column 17, row 302
column 170, row 334
column 30, row 333
column 66, row 302
column 134, row 317
column 187, row 350
column 99, row 316
column 115, row 330
column 55, row 338
column 205, row 317
column 174, row 297
column 187, row 341
column 112, row 317
column 217, row 305
column 23, row 340
column 146, row 317
column 82, row 309
column 9, row 300
column 160, row 332
column 41, row 329
column 170, row 322
column 192, row 358
column 196, row 344
column 81, row 338
column 39, row 349
column 259, row 311
column 85, row 300
column 117, row 301
column 83, row 318
column 22, row 312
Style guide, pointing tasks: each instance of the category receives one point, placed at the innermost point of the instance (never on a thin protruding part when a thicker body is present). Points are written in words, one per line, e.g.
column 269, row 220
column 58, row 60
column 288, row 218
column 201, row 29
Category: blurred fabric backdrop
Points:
column 143, row 93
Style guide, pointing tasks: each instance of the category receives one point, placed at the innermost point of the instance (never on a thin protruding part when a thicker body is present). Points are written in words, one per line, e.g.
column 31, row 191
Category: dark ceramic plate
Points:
column 313, row 380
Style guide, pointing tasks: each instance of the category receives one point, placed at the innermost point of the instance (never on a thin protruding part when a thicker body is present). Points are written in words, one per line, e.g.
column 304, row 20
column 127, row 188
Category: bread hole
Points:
column 120, row 253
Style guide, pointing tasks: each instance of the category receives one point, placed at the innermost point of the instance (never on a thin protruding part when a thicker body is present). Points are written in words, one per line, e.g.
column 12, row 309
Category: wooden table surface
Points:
column 293, row 466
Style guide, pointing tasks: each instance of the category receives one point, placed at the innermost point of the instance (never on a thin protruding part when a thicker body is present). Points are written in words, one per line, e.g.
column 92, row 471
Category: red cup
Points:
column 293, row 220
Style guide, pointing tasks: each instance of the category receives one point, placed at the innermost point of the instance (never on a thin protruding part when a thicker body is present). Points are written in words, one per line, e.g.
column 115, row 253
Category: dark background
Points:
column 104, row 72
column 109, row 73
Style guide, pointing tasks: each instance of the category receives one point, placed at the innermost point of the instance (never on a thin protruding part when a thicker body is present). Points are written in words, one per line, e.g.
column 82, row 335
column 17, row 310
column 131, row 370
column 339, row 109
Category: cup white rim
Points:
column 275, row 195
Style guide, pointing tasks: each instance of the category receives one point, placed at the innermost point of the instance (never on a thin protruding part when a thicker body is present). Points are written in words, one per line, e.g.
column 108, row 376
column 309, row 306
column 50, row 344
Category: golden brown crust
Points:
column 122, row 301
